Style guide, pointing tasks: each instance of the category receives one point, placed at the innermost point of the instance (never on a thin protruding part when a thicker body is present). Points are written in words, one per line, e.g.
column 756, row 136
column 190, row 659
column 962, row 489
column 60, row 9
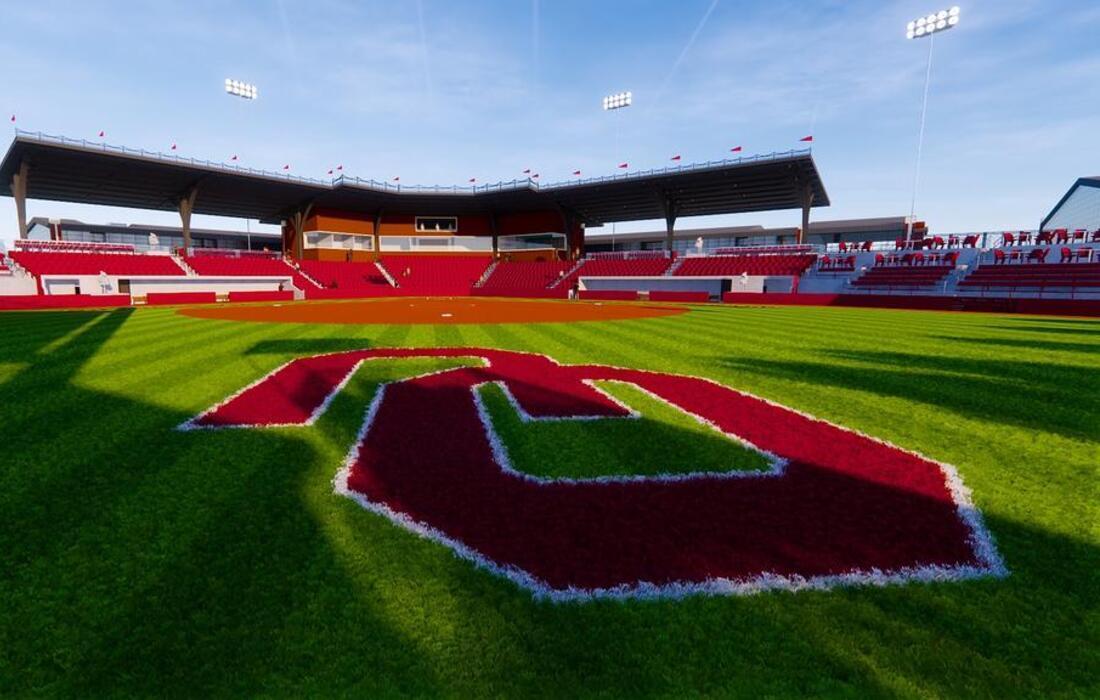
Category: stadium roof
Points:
column 1087, row 215
column 84, row 172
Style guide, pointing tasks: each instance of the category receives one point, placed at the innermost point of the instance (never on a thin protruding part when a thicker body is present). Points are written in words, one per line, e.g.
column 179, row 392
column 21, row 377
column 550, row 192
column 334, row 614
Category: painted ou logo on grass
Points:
column 835, row 508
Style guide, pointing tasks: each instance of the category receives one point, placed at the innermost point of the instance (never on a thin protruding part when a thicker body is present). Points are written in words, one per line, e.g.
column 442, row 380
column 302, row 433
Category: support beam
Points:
column 496, row 235
column 805, row 200
column 19, row 192
column 298, row 221
column 574, row 231
column 186, row 206
column 377, row 235
column 670, row 209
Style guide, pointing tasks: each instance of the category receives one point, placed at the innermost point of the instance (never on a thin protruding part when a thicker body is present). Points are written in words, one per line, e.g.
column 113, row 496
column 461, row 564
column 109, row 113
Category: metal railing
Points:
column 166, row 157
column 536, row 186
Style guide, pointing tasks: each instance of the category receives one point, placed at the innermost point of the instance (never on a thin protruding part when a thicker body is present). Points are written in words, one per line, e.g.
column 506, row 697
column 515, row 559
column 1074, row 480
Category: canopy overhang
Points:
column 69, row 170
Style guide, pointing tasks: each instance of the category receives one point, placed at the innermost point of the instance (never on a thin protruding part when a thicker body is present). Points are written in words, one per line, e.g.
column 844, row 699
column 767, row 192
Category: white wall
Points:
column 140, row 286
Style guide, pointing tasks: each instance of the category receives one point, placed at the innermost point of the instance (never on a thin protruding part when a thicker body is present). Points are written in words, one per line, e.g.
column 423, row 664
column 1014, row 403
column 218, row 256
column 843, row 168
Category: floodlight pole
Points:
column 929, row 26
column 615, row 103
column 920, row 140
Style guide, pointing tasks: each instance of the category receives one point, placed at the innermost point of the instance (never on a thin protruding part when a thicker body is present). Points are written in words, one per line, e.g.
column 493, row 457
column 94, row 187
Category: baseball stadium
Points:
column 622, row 424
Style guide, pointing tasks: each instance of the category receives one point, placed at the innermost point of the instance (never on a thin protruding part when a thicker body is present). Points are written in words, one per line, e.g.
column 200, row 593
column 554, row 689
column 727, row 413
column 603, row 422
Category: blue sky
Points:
column 442, row 91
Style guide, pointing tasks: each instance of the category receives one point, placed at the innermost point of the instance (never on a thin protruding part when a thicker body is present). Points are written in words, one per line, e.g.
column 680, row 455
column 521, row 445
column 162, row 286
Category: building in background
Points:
column 820, row 232
column 167, row 237
column 1078, row 209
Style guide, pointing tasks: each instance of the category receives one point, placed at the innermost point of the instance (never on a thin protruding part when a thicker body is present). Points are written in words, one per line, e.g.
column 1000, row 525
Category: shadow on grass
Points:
column 1022, row 344
column 139, row 560
column 1056, row 398
column 308, row 346
column 1089, row 329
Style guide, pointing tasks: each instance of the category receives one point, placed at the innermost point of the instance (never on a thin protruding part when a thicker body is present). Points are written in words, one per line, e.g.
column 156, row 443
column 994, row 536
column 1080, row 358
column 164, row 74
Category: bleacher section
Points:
column 753, row 265
column 1036, row 278
column 236, row 265
column 903, row 278
column 613, row 267
column 509, row 276
column 348, row 278
column 87, row 263
column 435, row 275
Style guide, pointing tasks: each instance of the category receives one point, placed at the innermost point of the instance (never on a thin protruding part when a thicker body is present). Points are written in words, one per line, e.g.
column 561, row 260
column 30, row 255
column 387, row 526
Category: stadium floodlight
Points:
column 612, row 103
column 927, row 26
column 618, row 101
column 241, row 89
column 933, row 23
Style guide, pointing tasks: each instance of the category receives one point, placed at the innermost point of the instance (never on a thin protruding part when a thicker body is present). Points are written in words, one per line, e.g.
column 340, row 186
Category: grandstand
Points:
column 347, row 278
column 619, row 265
column 41, row 262
column 207, row 263
column 753, row 264
column 435, row 275
column 1071, row 278
column 520, row 278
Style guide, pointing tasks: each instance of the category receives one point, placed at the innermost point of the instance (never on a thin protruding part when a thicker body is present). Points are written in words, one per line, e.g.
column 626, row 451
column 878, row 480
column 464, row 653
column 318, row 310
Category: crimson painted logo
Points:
column 835, row 507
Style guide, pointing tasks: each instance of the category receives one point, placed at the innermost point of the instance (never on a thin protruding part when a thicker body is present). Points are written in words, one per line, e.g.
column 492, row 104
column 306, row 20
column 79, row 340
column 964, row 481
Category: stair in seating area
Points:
column 385, row 273
column 568, row 275
column 675, row 266
column 302, row 273
column 488, row 272
column 183, row 264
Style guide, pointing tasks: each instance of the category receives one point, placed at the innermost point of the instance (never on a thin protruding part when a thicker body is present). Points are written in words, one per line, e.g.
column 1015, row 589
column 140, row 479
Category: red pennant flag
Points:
column 13, row 119
column 173, row 147
column 339, row 167
column 286, row 167
column 101, row 134
column 527, row 171
column 397, row 178
column 576, row 172
column 535, row 176
column 807, row 139
column 735, row 149
column 473, row 179
column 675, row 157
column 624, row 165
column 329, row 172
column 234, row 157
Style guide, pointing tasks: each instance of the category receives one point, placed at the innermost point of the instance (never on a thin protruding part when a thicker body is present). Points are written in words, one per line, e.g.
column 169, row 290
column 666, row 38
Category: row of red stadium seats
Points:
column 54, row 263
column 734, row 265
column 1039, row 255
column 950, row 259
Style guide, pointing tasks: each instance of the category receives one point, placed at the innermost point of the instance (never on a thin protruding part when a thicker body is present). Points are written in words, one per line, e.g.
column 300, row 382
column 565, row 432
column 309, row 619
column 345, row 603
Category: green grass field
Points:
column 137, row 560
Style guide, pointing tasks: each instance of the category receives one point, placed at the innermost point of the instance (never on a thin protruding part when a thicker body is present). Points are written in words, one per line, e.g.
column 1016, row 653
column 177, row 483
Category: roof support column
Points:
column 496, row 235
column 668, row 204
column 806, row 200
column 574, row 232
column 298, row 221
column 19, row 192
column 377, row 235
column 186, row 206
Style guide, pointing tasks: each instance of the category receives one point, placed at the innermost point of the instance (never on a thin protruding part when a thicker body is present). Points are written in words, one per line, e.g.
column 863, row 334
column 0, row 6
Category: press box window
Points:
column 436, row 224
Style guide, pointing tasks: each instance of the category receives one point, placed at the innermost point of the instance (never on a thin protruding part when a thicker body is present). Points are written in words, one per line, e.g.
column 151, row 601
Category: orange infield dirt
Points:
column 436, row 310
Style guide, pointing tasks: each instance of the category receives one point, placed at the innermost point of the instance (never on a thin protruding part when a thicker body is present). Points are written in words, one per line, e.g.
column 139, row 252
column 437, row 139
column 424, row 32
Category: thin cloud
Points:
column 684, row 52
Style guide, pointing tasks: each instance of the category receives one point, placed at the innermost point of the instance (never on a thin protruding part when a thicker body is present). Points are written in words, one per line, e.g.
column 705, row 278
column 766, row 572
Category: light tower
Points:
column 615, row 103
column 920, row 28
